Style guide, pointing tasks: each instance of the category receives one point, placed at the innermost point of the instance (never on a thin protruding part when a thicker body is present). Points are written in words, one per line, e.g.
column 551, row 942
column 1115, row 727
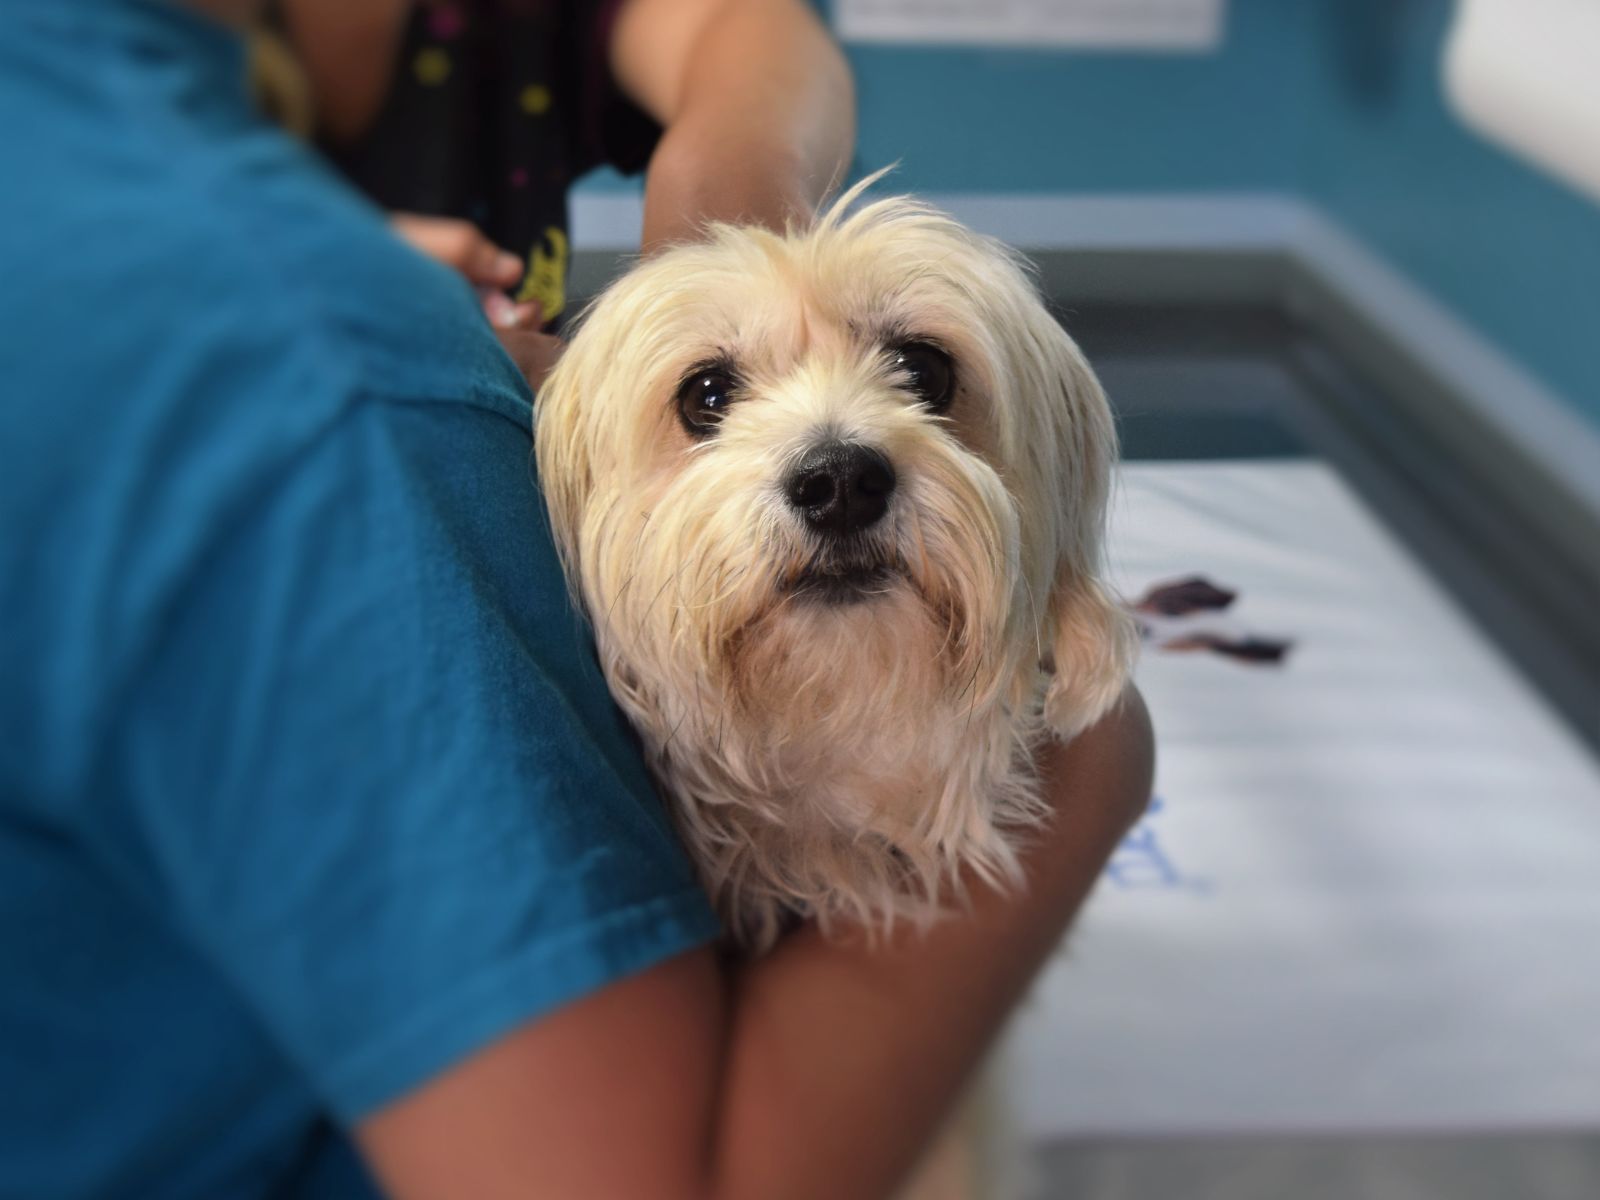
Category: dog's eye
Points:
column 703, row 400
column 930, row 373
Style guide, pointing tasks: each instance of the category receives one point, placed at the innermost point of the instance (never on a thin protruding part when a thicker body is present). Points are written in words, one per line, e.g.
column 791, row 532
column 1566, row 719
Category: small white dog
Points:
column 833, row 502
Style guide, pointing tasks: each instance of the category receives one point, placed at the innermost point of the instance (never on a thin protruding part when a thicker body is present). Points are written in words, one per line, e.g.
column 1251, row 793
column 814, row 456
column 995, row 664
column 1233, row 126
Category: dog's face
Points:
column 819, row 487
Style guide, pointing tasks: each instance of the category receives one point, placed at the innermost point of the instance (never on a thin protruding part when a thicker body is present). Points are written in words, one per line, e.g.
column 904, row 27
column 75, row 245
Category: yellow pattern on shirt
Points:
column 535, row 99
column 546, row 280
column 432, row 66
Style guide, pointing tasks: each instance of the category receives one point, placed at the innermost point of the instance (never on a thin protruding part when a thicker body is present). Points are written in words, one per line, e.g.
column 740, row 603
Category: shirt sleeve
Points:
column 378, row 781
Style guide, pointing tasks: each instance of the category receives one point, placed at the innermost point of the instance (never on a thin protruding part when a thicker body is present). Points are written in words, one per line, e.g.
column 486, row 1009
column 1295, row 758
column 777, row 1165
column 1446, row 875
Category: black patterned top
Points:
column 495, row 108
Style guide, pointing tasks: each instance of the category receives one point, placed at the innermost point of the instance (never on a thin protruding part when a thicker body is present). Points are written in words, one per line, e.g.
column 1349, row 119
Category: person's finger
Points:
column 462, row 245
column 490, row 265
column 506, row 313
column 499, row 308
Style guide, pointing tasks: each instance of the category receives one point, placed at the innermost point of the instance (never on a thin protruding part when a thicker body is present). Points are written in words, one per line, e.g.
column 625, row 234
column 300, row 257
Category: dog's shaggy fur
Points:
column 842, row 723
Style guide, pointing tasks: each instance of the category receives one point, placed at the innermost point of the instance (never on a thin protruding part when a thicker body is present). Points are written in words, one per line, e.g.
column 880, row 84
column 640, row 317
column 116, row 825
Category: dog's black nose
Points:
column 841, row 488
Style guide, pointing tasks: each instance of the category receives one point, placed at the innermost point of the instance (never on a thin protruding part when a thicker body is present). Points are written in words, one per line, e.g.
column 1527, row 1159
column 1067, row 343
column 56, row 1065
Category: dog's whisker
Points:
column 622, row 591
column 1035, row 622
column 971, row 692
column 924, row 571
column 730, row 588
column 672, row 734
column 644, row 616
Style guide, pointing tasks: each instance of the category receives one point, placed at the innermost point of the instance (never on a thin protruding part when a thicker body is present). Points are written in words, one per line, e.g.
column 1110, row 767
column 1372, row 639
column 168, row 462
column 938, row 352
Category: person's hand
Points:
column 462, row 246
column 1122, row 742
column 534, row 352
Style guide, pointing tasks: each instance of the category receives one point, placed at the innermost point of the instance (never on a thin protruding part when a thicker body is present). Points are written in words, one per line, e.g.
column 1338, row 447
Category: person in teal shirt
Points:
column 320, row 838
column 295, row 708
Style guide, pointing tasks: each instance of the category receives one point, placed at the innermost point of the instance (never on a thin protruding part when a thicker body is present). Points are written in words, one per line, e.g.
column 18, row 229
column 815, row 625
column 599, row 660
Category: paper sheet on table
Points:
column 1369, row 895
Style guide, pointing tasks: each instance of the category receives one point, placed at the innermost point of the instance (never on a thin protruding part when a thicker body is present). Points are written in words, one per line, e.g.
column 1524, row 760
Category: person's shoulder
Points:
column 231, row 291
column 142, row 178
column 215, row 247
column 188, row 322
column 319, row 262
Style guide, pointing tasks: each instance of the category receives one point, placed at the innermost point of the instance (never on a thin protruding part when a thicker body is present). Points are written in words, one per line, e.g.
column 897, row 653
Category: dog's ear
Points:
column 1093, row 651
column 1093, row 639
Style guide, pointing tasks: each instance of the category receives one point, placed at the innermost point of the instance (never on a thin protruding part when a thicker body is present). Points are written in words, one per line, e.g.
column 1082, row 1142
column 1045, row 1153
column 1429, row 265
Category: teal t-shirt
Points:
column 309, row 783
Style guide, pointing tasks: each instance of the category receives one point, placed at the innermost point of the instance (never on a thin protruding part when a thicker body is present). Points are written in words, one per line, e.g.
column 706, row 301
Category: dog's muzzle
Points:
column 840, row 488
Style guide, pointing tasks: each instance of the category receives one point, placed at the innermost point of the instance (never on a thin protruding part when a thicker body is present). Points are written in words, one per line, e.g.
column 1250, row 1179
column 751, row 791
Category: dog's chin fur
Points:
column 843, row 731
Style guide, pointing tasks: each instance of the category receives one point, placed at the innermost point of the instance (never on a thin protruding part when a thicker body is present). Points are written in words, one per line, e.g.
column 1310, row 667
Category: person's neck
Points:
column 238, row 13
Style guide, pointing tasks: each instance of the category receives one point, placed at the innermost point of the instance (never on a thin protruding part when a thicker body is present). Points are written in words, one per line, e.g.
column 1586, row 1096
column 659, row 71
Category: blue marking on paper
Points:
column 1143, row 861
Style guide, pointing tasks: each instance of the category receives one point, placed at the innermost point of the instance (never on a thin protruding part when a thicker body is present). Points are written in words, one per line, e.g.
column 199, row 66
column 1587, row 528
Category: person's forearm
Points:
column 761, row 126
column 348, row 52
column 842, row 1060
column 820, row 1070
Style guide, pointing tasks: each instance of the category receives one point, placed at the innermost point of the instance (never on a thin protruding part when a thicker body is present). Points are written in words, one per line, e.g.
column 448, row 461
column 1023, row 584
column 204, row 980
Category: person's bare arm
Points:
column 348, row 51
column 756, row 102
column 820, row 1070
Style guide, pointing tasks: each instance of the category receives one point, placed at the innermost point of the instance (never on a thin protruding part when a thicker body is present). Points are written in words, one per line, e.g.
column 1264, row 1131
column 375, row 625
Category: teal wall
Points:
column 1336, row 100
column 1009, row 121
column 1509, row 249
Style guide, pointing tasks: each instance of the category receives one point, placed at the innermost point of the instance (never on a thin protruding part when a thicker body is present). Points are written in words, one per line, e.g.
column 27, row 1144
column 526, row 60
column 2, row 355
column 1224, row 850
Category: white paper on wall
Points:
column 1149, row 25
